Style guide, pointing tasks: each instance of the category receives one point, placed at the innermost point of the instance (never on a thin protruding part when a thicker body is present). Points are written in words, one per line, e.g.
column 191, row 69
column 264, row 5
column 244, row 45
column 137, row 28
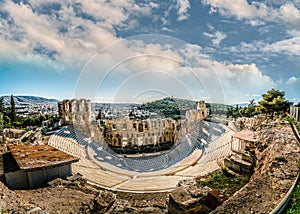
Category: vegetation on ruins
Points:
column 294, row 206
column 273, row 102
column 238, row 111
column 225, row 181
column 292, row 120
column 295, row 202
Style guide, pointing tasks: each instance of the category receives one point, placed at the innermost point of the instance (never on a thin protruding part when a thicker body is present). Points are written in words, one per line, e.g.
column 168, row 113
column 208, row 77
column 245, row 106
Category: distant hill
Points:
column 173, row 107
column 19, row 100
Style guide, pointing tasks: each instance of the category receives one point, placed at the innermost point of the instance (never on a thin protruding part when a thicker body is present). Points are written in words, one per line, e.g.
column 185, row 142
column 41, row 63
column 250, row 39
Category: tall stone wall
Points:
column 193, row 116
column 75, row 111
column 122, row 133
column 126, row 132
column 140, row 132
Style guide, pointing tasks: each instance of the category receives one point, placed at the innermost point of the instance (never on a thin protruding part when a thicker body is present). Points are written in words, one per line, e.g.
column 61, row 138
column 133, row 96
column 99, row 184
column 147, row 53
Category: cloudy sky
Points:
column 227, row 51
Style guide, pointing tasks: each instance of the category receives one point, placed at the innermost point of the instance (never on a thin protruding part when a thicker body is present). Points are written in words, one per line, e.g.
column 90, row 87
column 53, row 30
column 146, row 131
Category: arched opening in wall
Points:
column 134, row 126
column 154, row 124
column 141, row 127
column 82, row 105
column 119, row 141
column 114, row 127
column 146, row 126
column 114, row 141
column 124, row 126
column 173, row 126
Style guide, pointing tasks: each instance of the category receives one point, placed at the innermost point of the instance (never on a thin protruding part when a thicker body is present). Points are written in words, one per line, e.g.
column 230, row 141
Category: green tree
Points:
column 2, row 106
column 1, row 123
column 273, row 101
column 12, row 109
column 251, row 109
column 7, row 121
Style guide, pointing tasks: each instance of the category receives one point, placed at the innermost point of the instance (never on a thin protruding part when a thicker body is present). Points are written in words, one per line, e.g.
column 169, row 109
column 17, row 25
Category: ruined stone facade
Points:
column 75, row 111
column 151, row 132
column 140, row 132
column 193, row 116
column 122, row 133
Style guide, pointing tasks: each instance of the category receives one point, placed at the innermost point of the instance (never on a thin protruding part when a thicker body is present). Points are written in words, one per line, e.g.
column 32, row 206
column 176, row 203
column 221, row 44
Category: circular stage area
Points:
column 194, row 155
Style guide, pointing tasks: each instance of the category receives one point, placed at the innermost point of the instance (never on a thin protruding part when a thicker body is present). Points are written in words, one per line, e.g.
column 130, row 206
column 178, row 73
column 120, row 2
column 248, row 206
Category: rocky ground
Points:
column 77, row 197
column 277, row 160
column 277, row 152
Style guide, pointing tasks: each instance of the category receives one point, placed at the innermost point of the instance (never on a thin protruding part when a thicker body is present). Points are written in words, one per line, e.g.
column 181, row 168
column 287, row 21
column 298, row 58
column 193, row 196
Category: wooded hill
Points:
column 175, row 107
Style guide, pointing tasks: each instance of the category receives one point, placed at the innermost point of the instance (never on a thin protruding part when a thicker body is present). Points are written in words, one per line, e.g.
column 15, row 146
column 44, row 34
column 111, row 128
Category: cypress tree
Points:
column 12, row 109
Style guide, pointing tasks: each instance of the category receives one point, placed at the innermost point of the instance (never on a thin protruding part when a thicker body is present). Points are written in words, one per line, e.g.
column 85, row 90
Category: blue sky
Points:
column 227, row 51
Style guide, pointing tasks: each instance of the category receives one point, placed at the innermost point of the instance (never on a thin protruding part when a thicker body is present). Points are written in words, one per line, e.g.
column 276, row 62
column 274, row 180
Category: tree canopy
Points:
column 273, row 101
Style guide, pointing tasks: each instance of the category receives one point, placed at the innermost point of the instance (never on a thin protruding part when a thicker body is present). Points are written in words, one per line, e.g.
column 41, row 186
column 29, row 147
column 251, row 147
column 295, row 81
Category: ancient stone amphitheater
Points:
column 197, row 153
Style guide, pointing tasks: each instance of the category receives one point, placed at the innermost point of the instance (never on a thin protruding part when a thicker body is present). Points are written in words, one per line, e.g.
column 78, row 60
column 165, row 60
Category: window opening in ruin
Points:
column 140, row 127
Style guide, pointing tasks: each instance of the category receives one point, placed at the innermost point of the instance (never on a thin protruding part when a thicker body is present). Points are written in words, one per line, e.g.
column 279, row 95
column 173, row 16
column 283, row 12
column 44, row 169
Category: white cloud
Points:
column 291, row 15
column 258, row 13
column 259, row 50
column 256, row 23
column 217, row 37
column 291, row 80
column 182, row 6
column 288, row 46
column 240, row 9
column 84, row 37
column 291, row 88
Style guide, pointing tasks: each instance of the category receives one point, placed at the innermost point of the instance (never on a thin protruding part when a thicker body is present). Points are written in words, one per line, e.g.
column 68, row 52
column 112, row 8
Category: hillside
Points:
column 174, row 107
column 169, row 107
column 21, row 100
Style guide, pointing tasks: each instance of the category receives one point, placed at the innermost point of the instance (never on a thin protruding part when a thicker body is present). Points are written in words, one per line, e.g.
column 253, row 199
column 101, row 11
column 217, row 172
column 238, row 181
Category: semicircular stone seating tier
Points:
column 72, row 142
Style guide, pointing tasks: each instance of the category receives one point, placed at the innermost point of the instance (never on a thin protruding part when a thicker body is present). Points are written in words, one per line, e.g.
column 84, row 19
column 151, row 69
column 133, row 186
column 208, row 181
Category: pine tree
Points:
column 273, row 101
column 12, row 109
